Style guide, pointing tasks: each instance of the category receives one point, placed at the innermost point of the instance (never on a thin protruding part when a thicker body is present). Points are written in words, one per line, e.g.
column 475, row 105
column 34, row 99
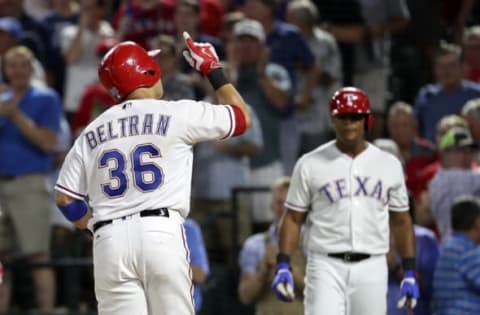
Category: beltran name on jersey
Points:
column 129, row 126
column 138, row 155
column 348, row 199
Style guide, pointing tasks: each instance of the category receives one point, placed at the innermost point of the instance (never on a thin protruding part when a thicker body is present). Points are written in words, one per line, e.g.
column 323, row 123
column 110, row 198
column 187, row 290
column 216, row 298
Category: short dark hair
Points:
column 465, row 211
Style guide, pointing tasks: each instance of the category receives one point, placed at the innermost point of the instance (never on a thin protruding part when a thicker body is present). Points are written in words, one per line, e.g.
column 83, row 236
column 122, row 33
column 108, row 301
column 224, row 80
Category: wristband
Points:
column 75, row 210
column 283, row 258
column 409, row 263
column 217, row 78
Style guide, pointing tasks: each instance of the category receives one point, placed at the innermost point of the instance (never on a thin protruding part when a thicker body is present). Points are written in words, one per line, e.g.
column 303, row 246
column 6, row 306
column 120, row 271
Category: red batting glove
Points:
column 201, row 56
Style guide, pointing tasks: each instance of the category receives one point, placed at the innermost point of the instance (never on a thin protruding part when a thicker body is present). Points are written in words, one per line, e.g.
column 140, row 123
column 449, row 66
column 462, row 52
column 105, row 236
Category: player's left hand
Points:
column 409, row 292
column 282, row 284
column 201, row 56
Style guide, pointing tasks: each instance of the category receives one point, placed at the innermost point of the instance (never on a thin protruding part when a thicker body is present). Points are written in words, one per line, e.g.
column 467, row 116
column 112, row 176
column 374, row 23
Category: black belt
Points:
column 7, row 177
column 349, row 256
column 161, row 212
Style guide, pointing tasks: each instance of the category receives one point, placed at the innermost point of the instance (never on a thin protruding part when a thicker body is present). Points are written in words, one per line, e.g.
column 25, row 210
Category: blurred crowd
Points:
column 418, row 61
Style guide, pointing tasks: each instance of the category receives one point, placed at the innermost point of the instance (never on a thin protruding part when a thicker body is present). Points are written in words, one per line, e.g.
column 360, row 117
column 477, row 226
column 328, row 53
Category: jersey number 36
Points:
column 147, row 176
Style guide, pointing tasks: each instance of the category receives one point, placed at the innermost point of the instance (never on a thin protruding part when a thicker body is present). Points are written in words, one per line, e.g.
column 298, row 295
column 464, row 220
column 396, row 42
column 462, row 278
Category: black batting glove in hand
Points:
column 201, row 56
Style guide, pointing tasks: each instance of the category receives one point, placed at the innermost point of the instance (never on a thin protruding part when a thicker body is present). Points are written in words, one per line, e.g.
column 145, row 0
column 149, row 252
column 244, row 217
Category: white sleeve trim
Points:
column 232, row 122
column 295, row 207
column 69, row 192
column 398, row 208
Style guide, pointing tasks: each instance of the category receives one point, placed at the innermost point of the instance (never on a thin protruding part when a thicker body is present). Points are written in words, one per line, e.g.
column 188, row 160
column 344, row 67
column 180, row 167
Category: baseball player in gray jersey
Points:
column 347, row 190
column 127, row 178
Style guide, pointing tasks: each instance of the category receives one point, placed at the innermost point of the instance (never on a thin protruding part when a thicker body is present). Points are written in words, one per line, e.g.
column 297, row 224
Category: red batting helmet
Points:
column 351, row 100
column 126, row 67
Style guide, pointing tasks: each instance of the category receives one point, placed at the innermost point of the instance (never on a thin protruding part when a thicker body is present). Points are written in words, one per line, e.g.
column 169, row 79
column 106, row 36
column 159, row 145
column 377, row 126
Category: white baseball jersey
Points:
column 348, row 199
column 138, row 155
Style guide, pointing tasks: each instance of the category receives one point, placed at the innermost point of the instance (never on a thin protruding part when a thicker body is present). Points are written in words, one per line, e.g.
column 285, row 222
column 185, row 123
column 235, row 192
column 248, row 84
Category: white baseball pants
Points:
column 335, row 287
column 142, row 266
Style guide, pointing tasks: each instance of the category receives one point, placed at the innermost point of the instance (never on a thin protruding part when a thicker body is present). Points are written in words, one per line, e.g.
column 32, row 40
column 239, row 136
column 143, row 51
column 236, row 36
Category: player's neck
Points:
column 142, row 93
column 351, row 149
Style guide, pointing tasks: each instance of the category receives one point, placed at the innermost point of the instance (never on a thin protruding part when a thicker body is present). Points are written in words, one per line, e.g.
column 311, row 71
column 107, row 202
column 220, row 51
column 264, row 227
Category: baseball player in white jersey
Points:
column 347, row 190
column 127, row 178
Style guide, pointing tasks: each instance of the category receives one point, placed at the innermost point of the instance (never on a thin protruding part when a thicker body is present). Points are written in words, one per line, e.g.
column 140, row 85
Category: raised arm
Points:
column 203, row 58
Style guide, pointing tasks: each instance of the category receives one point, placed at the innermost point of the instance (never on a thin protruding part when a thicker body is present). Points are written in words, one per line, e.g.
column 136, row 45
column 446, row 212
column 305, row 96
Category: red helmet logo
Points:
column 351, row 100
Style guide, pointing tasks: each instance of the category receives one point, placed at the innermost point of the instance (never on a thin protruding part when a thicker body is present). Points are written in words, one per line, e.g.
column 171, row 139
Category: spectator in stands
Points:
column 29, row 122
column 455, row 15
column 289, row 49
column 176, row 85
column 142, row 20
column 187, row 19
column 314, row 120
column 265, row 86
column 11, row 34
column 227, row 37
column 423, row 201
column 456, row 281
column 416, row 152
column 62, row 14
column 258, row 263
column 211, row 13
column 411, row 52
column 471, row 113
column 343, row 19
column 79, row 44
column 471, row 49
column 382, row 19
column 229, row 21
column 447, row 95
column 35, row 35
column 95, row 98
column 454, row 178
column 198, row 260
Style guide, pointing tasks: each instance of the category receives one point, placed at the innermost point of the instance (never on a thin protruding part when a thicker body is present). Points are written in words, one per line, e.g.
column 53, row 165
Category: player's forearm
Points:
column 228, row 94
column 402, row 229
column 289, row 233
column 64, row 203
column 42, row 138
column 82, row 224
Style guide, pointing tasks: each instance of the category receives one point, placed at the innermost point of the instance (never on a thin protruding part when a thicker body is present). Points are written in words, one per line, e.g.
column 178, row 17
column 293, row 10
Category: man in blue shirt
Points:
column 446, row 96
column 29, row 121
column 456, row 281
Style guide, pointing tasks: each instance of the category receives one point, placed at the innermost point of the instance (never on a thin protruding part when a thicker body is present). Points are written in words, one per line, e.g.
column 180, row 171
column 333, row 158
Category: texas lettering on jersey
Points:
column 363, row 186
